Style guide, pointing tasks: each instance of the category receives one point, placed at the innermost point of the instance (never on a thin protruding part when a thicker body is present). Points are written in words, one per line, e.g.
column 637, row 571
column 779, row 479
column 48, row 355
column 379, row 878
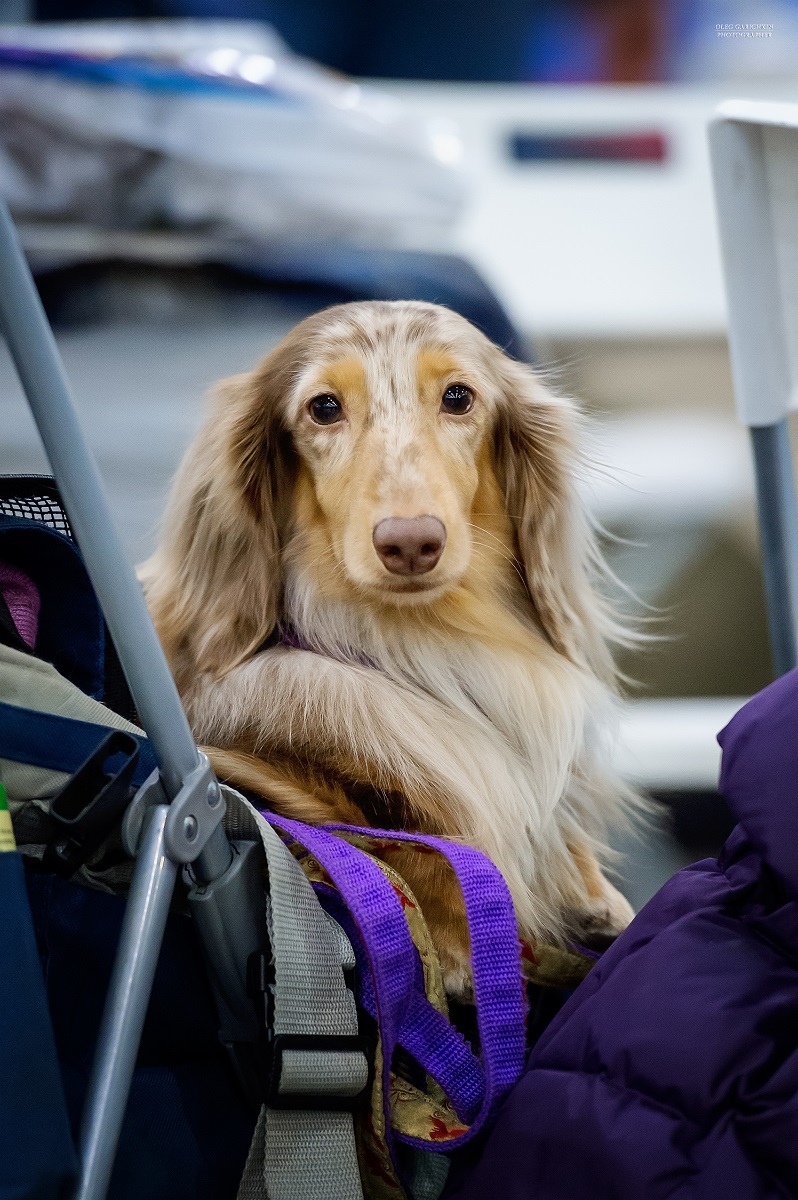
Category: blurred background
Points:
column 191, row 177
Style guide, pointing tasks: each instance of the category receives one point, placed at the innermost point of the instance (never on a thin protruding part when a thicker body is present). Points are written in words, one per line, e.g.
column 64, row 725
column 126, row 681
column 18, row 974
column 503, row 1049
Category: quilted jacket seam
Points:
column 609, row 1082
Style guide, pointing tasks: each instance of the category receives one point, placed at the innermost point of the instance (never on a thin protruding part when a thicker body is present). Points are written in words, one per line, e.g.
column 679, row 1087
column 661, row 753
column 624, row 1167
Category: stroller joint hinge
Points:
column 194, row 813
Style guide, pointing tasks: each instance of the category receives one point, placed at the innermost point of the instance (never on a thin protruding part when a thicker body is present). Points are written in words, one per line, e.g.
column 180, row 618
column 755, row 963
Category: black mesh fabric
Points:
column 35, row 498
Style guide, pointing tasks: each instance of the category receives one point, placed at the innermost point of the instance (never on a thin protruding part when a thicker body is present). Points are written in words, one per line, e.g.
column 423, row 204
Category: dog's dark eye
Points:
column 457, row 399
column 325, row 410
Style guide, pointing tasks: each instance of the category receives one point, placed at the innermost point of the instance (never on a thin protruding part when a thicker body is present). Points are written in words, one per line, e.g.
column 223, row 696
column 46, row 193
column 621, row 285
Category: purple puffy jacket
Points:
column 673, row 1069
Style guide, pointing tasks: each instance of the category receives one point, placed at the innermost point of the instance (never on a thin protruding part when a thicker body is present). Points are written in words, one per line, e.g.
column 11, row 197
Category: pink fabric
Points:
column 22, row 597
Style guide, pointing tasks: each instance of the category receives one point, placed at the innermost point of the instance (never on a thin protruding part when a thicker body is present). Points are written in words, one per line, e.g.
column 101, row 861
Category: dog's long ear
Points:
column 214, row 583
column 538, row 459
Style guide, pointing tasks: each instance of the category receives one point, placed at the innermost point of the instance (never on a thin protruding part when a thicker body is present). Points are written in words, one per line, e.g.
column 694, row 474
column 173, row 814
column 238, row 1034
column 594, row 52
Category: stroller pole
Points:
column 778, row 534
column 187, row 830
column 756, row 226
column 41, row 371
column 137, row 956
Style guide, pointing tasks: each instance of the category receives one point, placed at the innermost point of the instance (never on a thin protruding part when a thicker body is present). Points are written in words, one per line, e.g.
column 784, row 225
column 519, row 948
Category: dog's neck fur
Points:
column 478, row 655
column 525, row 721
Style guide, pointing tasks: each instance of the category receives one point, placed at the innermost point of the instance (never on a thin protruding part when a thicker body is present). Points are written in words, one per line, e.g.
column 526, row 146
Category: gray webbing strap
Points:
column 305, row 1154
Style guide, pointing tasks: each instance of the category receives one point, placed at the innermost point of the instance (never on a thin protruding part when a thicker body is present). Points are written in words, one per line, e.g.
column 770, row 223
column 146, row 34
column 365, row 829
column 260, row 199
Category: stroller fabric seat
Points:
column 187, row 1129
column 673, row 1070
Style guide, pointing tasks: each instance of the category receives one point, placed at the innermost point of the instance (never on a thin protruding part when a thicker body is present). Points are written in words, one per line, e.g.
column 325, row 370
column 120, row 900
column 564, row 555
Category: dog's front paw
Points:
column 458, row 978
column 602, row 918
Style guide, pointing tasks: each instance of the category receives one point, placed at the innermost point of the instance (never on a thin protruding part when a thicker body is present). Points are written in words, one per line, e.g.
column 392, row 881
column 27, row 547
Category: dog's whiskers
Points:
column 499, row 547
column 503, row 550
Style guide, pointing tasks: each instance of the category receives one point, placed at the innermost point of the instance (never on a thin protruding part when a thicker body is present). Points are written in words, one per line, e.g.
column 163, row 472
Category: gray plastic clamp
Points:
column 194, row 814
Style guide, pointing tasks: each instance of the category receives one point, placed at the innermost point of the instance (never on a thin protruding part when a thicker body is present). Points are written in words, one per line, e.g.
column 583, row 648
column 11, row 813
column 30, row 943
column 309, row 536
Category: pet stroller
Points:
column 174, row 821
column 253, row 1072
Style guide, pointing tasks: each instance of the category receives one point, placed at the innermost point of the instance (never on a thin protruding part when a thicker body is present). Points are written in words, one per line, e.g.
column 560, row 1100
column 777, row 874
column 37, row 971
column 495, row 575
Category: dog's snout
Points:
column 409, row 545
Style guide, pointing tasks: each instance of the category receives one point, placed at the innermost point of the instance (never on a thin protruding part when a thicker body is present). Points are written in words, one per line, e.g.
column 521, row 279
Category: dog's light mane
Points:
column 536, row 724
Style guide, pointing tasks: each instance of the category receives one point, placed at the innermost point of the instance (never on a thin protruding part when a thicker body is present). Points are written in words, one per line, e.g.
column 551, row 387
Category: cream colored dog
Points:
column 376, row 591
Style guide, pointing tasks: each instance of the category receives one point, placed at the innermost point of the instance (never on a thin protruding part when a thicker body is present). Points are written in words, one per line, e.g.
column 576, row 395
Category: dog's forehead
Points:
column 395, row 348
column 392, row 323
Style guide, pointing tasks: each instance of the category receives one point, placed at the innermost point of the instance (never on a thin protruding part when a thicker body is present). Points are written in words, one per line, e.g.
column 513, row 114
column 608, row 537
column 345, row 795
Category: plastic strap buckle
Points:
column 260, row 987
column 280, row 1043
column 90, row 804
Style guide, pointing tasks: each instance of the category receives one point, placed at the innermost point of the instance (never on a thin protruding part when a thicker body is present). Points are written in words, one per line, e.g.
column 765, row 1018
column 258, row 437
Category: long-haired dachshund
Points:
column 375, row 587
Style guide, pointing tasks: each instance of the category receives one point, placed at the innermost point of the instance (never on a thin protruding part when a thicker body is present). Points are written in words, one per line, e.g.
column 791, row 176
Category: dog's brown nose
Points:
column 409, row 545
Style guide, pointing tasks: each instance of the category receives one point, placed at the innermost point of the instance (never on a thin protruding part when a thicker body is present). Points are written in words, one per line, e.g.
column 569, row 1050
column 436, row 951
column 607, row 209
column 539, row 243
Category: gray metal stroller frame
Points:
column 176, row 817
column 754, row 152
column 778, row 533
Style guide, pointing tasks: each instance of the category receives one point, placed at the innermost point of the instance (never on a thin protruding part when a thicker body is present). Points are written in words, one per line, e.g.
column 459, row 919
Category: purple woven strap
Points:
column 377, row 912
column 443, row 1053
column 499, row 993
column 439, row 1048
column 404, row 1014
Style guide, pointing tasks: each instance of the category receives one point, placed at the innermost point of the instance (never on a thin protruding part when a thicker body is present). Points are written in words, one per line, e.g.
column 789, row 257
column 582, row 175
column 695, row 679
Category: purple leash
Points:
column 499, row 992
column 377, row 912
column 436, row 1045
column 404, row 1014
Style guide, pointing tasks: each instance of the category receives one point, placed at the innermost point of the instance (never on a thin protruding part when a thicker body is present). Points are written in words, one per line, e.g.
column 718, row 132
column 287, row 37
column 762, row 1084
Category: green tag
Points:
column 6, row 829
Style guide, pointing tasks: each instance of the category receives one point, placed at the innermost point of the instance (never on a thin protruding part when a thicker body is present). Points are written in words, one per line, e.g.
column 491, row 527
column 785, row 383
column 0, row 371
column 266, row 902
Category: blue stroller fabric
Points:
column 187, row 1129
column 37, row 1156
column 71, row 628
